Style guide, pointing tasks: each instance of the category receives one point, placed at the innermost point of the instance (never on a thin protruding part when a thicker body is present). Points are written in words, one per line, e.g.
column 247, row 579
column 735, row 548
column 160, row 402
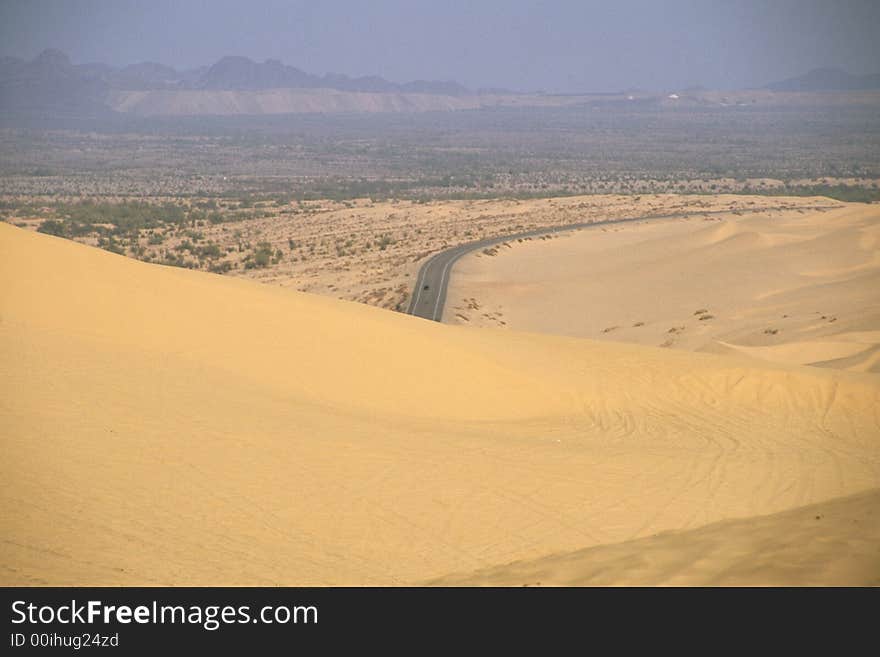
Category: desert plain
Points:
column 169, row 426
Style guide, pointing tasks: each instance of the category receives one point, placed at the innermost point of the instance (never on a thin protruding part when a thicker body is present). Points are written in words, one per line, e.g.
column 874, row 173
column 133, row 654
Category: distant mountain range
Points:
column 51, row 82
column 828, row 79
column 51, row 86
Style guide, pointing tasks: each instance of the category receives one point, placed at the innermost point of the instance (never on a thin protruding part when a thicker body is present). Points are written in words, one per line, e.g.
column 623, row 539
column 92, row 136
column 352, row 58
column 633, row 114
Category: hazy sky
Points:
column 567, row 45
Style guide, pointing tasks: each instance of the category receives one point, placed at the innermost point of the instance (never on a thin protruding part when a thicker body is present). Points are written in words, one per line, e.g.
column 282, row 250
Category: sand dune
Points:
column 830, row 544
column 166, row 426
column 796, row 288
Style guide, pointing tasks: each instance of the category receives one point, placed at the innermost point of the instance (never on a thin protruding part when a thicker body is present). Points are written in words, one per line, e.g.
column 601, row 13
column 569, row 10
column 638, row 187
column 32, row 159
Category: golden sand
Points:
column 166, row 426
column 796, row 288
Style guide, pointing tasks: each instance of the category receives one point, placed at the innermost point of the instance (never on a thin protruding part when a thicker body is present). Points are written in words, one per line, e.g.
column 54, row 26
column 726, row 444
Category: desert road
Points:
column 429, row 293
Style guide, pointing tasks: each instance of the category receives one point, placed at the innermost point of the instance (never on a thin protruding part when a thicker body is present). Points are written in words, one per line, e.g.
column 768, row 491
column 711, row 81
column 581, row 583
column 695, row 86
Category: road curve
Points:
column 429, row 293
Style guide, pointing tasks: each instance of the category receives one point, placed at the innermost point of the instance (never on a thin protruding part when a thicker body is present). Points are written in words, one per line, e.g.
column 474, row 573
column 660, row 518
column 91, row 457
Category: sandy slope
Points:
column 834, row 543
column 799, row 288
column 167, row 426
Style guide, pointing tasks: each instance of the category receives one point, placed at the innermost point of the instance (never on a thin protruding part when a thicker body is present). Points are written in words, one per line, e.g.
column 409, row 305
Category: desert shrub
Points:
column 126, row 219
column 53, row 227
column 110, row 243
column 211, row 250
column 260, row 257
column 384, row 241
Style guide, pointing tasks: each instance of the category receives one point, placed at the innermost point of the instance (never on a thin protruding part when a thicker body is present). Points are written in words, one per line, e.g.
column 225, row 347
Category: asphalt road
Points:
column 429, row 293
